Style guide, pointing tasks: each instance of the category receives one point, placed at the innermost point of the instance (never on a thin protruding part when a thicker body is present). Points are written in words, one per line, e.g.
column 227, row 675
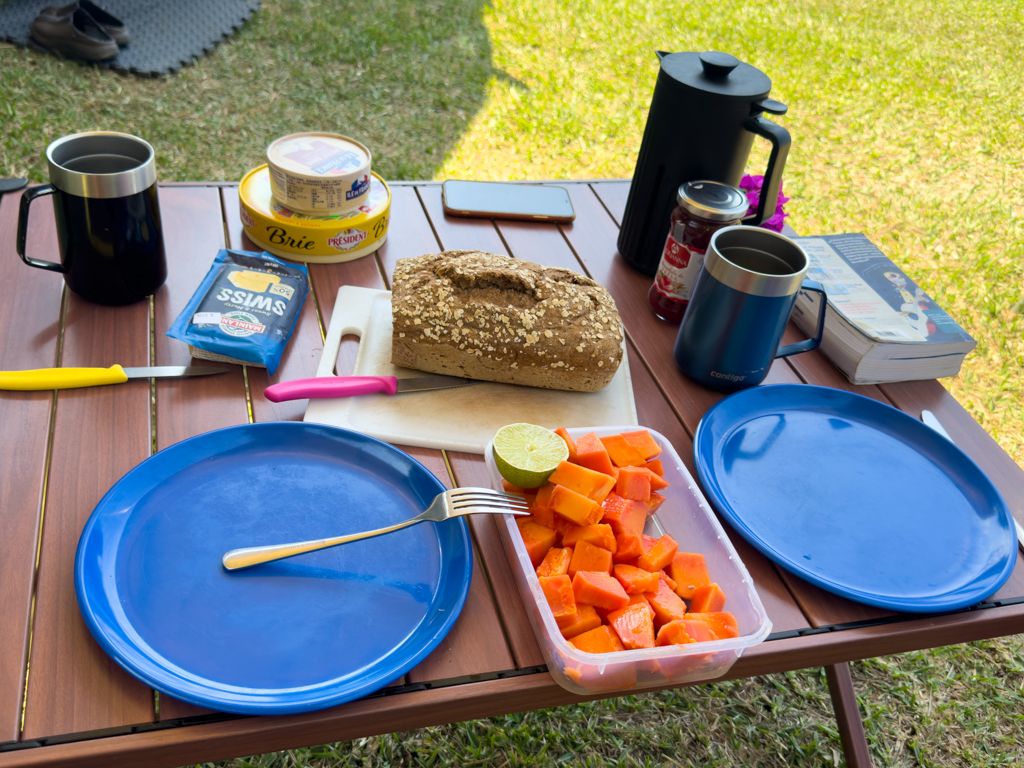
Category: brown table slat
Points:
column 613, row 194
column 409, row 231
column 29, row 335
column 302, row 353
column 100, row 434
column 458, row 233
column 193, row 233
column 246, row 736
column 476, row 645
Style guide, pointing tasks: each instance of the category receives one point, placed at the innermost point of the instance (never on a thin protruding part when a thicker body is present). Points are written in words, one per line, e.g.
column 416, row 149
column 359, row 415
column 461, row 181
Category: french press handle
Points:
column 780, row 139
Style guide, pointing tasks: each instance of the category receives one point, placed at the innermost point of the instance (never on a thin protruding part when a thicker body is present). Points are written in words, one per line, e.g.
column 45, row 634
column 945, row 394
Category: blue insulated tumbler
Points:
column 739, row 308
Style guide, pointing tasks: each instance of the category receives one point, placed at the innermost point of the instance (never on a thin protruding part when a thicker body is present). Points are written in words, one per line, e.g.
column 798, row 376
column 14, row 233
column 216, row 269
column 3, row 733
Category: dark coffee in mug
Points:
column 108, row 217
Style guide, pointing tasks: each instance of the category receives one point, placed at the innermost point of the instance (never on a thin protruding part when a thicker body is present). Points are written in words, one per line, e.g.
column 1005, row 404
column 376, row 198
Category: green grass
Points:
column 906, row 126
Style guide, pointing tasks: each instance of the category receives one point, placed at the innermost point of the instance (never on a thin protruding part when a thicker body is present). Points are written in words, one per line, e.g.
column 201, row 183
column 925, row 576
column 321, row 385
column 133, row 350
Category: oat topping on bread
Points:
column 495, row 318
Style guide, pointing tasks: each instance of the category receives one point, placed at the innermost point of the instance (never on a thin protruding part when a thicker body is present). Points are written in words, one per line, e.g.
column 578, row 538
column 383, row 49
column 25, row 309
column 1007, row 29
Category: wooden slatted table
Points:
column 63, row 701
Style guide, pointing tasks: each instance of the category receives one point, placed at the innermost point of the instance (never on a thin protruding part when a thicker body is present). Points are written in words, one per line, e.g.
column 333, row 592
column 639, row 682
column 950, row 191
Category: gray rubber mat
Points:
column 166, row 34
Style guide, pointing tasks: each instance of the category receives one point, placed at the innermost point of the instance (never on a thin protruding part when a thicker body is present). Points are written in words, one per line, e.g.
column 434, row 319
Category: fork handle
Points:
column 237, row 559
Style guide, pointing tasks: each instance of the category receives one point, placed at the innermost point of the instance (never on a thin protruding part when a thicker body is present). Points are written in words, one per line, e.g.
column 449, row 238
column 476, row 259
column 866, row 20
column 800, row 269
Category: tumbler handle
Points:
column 808, row 344
column 26, row 200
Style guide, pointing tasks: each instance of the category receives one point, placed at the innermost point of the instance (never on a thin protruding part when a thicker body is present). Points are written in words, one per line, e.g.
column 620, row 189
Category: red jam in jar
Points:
column 704, row 208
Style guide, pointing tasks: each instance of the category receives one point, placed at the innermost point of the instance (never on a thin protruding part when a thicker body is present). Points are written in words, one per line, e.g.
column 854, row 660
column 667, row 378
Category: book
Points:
column 879, row 325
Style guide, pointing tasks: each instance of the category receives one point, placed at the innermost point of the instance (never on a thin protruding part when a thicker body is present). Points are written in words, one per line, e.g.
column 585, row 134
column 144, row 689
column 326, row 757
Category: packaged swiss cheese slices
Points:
column 245, row 309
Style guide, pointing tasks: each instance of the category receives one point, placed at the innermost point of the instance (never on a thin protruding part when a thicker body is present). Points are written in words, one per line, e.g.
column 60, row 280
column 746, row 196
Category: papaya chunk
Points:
column 621, row 452
column 524, row 492
column 538, row 540
column 707, row 599
column 656, row 467
column 654, row 502
column 555, row 562
column 624, row 515
column 600, row 590
column 689, row 571
column 667, row 605
column 627, row 548
column 560, row 596
column 591, row 453
column 600, row 536
column 644, row 443
column 587, row 482
column 634, row 483
column 722, row 623
column 587, row 557
column 586, row 620
column 599, row 640
column 635, row 581
column 658, row 483
column 684, row 632
column 563, row 433
column 634, row 625
column 660, row 555
column 575, row 506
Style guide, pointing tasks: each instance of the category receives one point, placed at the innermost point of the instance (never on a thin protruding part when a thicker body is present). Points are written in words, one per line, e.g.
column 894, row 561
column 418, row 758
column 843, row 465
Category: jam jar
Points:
column 704, row 207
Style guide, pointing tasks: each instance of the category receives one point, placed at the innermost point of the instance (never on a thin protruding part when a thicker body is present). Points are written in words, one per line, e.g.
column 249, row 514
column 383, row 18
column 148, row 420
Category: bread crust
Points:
column 494, row 318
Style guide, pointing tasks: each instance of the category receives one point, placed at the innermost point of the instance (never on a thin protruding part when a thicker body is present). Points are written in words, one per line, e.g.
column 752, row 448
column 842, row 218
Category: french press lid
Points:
column 713, row 200
column 723, row 75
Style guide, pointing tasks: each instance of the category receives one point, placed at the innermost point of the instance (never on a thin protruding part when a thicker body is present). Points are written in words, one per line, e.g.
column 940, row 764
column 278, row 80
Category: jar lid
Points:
column 713, row 200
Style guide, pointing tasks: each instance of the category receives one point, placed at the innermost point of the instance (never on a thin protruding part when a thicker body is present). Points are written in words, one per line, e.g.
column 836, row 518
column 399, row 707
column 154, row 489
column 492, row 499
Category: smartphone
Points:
column 498, row 200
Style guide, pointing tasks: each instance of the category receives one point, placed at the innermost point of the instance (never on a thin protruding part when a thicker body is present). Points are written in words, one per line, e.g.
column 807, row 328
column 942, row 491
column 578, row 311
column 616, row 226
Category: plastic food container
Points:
column 317, row 239
column 319, row 173
column 686, row 517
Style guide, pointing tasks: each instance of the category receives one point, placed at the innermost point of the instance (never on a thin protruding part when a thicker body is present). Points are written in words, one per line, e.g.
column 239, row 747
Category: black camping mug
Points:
column 108, row 217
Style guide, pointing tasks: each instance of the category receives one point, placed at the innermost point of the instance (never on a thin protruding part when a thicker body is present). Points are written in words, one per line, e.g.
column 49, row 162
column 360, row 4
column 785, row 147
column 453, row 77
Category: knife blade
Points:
column 324, row 387
column 929, row 418
column 72, row 378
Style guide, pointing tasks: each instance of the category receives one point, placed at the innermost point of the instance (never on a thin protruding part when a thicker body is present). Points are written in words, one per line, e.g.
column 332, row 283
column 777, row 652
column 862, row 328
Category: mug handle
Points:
column 26, row 200
column 809, row 344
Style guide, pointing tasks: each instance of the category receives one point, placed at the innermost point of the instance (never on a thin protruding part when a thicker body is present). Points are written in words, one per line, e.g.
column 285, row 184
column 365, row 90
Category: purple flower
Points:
column 752, row 186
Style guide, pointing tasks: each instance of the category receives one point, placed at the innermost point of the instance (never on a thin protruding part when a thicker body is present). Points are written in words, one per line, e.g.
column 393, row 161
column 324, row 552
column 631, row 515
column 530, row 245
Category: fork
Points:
column 454, row 503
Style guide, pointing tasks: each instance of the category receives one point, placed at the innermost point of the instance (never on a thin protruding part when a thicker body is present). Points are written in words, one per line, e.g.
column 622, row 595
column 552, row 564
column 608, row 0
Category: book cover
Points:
column 875, row 295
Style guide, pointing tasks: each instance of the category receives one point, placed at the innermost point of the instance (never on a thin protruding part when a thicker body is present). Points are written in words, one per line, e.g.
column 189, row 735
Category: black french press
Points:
column 704, row 114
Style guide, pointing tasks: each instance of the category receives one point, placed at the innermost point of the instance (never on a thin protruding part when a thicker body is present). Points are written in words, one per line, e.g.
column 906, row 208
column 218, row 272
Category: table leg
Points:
column 851, row 727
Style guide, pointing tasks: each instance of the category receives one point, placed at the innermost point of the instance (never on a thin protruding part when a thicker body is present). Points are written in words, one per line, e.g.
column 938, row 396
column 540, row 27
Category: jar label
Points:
column 678, row 270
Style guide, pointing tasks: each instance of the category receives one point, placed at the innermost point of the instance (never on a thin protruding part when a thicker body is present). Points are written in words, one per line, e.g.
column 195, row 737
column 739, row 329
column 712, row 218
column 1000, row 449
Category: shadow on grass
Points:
column 405, row 77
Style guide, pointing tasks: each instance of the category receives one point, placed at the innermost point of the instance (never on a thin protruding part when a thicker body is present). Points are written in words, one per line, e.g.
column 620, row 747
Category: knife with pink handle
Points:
column 324, row 387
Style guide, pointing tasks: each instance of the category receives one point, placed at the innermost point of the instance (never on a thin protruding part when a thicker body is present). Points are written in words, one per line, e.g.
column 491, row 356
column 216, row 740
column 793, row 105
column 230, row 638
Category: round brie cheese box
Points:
column 319, row 173
column 318, row 239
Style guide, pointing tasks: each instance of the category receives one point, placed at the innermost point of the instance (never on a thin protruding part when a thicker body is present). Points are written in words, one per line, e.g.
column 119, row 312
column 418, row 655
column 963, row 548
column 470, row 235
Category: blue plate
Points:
column 291, row 636
column 856, row 496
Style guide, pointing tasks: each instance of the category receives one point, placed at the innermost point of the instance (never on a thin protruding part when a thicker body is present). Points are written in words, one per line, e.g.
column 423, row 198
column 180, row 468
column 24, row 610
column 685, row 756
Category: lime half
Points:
column 526, row 454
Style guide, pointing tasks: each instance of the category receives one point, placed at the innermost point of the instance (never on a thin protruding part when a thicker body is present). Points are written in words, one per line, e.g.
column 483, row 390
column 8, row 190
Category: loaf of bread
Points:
column 495, row 318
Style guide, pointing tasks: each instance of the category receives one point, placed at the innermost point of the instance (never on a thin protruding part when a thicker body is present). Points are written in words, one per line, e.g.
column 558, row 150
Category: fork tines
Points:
column 484, row 497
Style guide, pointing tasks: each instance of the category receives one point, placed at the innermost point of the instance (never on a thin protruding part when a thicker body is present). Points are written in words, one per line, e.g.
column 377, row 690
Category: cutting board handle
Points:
column 351, row 317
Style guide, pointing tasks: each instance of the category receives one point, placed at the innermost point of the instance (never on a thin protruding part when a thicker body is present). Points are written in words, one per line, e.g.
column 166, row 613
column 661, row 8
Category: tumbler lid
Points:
column 713, row 200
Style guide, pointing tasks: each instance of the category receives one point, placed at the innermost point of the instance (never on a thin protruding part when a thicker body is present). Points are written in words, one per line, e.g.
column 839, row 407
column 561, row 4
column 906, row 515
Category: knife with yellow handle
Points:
column 72, row 378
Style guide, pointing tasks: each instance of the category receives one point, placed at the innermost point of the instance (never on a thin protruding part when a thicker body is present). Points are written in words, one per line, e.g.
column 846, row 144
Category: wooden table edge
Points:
column 173, row 744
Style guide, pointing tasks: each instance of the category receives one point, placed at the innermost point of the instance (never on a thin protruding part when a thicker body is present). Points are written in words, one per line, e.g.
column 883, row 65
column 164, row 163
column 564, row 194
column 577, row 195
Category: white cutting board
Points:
column 463, row 419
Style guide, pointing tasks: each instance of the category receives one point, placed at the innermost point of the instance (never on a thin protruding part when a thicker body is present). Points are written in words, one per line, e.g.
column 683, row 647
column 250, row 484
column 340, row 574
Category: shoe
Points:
column 112, row 25
column 75, row 34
